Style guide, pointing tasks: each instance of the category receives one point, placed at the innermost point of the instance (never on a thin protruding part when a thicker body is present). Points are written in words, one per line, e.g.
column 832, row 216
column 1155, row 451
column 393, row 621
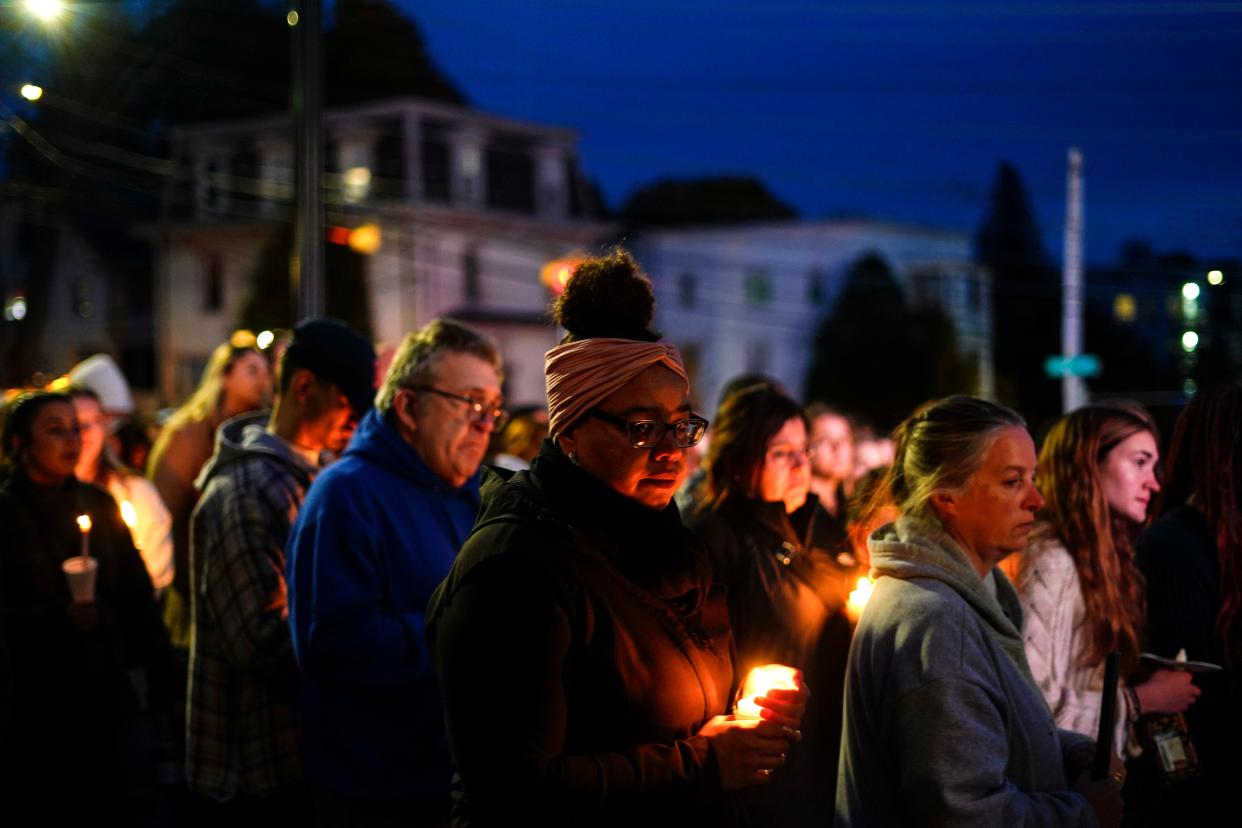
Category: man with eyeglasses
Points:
column 378, row 532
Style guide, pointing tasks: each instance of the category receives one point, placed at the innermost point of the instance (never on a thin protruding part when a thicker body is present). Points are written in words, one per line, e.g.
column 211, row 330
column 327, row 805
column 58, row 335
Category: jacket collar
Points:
column 378, row 441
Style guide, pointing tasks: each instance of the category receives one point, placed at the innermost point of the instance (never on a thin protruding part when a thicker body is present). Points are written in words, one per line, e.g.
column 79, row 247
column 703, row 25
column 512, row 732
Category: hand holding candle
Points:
column 80, row 570
column 774, row 692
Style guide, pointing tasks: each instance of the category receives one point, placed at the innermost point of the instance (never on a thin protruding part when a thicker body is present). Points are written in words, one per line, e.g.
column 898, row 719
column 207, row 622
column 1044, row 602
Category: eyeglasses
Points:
column 476, row 412
column 783, row 456
column 645, row 434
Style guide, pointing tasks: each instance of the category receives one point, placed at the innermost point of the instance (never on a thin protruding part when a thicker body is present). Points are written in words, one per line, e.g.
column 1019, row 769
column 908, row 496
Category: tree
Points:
column 726, row 199
column 270, row 303
column 373, row 52
column 877, row 356
column 1026, row 310
column 93, row 152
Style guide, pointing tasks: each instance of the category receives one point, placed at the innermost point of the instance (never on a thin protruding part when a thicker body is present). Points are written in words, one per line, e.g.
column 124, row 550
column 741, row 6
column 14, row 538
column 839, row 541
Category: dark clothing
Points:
column 580, row 647
column 84, row 675
column 377, row 532
column 1179, row 561
column 788, row 577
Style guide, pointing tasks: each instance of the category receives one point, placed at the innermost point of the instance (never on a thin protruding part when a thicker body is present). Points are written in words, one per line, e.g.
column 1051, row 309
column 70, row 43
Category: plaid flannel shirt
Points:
column 241, row 717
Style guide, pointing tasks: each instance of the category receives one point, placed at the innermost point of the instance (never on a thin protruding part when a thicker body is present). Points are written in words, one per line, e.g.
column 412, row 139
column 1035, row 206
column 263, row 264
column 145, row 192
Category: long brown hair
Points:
column 1100, row 542
column 1205, row 467
column 744, row 425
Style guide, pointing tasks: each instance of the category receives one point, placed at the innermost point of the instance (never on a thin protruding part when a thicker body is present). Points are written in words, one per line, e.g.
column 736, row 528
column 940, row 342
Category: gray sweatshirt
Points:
column 943, row 724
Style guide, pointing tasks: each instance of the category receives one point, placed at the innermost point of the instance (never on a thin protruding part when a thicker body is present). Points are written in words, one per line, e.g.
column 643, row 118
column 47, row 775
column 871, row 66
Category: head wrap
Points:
column 582, row 374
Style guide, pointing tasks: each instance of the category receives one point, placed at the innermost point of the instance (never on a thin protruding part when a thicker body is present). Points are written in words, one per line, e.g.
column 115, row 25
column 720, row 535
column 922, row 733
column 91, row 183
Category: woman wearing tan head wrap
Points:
column 612, row 654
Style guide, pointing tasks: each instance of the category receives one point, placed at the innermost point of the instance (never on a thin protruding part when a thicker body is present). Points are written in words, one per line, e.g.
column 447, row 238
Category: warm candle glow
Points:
column 859, row 597
column 129, row 514
column 759, row 681
column 84, row 523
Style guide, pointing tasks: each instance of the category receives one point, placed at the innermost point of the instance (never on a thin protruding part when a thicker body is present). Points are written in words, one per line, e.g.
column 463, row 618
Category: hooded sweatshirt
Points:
column 378, row 532
column 944, row 724
column 242, row 712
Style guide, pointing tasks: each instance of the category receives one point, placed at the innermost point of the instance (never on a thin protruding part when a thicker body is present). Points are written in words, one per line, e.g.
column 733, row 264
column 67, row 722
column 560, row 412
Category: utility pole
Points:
column 306, row 262
column 1073, row 386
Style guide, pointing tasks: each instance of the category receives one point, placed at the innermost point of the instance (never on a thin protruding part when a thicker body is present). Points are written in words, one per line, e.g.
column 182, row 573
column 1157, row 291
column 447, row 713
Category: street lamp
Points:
column 45, row 10
column 31, row 92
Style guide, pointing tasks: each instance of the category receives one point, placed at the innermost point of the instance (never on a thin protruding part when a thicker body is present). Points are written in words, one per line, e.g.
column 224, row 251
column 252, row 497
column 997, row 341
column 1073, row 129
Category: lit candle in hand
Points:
column 84, row 526
column 758, row 682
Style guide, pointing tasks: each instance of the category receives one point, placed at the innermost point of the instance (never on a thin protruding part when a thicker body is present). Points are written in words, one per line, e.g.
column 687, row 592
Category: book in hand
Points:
column 1160, row 663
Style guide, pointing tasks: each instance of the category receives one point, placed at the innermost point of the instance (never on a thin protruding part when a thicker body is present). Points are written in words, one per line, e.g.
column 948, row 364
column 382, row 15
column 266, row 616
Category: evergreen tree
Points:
column 373, row 52
column 877, row 356
column 270, row 302
column 1026, row 304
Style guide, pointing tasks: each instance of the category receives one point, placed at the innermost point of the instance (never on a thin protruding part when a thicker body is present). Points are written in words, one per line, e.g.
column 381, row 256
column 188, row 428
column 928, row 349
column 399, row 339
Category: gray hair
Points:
column 415, row 361
column 941, row 445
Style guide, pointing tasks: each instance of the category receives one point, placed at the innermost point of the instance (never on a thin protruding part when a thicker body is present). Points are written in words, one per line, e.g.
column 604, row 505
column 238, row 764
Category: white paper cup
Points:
column 80, row 572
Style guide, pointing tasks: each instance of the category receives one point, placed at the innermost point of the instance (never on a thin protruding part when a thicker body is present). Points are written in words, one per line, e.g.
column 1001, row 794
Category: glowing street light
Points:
column 45, row 10
column 1190, row 290
column 1215, row 277
column 31, row 92
column 1190, row 341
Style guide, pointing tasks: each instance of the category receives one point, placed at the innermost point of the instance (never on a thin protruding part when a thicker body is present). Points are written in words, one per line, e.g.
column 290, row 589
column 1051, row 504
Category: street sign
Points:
column 1079, row 365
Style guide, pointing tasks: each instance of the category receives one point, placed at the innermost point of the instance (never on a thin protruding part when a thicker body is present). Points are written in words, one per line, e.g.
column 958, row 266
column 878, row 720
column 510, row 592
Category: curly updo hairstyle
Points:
column 607, row 297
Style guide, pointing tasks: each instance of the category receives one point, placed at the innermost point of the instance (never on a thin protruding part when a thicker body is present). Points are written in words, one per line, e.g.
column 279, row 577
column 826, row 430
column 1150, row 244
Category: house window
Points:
column 758, row 286
column 82, row 299
column 758, row 355
column 470, row 275
column 213, row 282
column 1124, row 307
column 974, row 294
column 687, row 290
column 815, row 290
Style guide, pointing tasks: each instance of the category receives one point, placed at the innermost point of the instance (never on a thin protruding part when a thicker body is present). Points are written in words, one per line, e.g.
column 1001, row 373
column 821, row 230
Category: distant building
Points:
column 751, row 297
column 70, row 290
column 469, row 208
column 1185, row 313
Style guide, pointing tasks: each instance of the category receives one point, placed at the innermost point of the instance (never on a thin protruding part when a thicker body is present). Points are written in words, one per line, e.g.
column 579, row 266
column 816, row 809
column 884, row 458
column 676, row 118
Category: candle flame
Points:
column 859, row 597
column 84, row 523
column 759, row 681
column 129, row 514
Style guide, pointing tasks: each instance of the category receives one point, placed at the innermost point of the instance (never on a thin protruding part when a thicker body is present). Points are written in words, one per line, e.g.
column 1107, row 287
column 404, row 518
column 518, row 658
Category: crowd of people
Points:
column 339, row 598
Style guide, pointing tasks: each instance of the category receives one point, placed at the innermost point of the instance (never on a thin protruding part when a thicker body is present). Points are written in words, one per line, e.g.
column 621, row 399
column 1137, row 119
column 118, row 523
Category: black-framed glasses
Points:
column 476, row 412
column 645, row 434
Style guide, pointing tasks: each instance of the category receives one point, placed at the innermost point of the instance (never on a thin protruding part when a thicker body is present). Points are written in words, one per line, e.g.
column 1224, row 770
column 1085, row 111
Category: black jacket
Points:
column 579, row 648
column 787, row 578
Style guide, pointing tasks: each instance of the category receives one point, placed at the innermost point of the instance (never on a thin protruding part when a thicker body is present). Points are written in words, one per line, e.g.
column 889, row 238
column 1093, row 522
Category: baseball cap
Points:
column 335, row 352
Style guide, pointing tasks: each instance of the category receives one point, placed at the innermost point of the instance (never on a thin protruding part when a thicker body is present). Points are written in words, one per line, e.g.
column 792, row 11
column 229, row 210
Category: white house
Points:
column 751, row 297
column 468, row 206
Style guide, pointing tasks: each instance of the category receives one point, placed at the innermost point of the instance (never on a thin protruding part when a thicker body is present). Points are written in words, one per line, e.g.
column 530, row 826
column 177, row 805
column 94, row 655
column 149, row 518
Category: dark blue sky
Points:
column 894, row 110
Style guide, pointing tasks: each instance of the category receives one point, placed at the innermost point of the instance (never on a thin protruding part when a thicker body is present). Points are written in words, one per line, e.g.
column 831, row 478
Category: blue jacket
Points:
column 377, row 533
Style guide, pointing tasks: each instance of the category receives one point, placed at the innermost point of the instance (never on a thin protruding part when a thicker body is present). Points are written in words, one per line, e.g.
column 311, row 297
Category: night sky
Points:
column 896, row 111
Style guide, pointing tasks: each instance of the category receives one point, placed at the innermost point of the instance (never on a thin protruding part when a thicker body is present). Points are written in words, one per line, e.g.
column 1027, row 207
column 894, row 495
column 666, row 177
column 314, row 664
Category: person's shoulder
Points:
column 916, row 611
column 1176, row 539
column 1048, row 564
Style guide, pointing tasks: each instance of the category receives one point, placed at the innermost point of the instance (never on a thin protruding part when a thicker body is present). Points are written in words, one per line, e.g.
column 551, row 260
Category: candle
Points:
column 84, row 526
column 130, row 515
column 859, row 596
column 758, row 682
